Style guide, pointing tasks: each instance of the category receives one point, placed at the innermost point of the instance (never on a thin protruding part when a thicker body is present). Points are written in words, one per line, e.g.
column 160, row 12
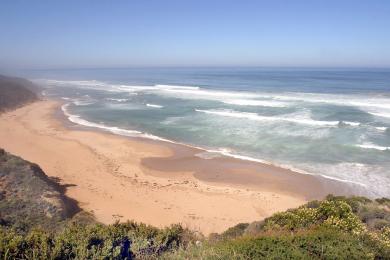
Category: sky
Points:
column 40, row 34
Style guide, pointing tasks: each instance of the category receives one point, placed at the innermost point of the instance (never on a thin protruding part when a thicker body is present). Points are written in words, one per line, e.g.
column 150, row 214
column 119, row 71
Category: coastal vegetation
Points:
column 39, row 222
column 335, row 228
column 30, row 199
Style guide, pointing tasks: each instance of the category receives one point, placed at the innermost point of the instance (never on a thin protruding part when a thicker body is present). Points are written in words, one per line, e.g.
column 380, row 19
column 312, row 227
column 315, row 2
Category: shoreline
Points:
column 119, row 178
column 68, row 119
column 329, row 184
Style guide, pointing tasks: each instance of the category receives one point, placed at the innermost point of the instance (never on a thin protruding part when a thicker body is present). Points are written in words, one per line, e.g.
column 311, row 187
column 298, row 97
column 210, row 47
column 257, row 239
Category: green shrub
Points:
column 313, row 244
column 118, row 241
column 383, row 201
column 233, row 232
column 380, row 224
column 329, row 213
column 328, row 229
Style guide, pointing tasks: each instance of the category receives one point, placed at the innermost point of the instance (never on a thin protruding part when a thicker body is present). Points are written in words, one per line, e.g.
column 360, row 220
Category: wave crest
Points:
column 254, row 102
column 373, row 146
column 154, row 106
column 256, row 117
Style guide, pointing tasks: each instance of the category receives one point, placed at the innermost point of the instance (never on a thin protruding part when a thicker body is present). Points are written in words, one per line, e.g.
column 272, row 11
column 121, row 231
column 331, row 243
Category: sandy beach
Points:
column 158, row 183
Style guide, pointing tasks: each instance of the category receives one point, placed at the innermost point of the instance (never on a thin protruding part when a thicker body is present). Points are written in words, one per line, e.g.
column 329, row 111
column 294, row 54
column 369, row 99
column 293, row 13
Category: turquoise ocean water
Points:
column 330, row 122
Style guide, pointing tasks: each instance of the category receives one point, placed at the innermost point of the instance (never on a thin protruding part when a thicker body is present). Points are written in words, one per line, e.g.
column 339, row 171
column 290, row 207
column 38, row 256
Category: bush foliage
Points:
column 335, row 228
column 311, row 244
column 118, row 241
column 37, row 221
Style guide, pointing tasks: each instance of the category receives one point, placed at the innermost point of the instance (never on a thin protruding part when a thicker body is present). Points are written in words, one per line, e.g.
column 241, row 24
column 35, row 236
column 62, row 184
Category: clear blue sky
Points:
column 75, row 34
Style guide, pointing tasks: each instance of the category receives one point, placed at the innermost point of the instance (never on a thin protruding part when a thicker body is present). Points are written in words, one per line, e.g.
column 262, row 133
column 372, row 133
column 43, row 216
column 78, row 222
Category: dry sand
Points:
column 152, row 182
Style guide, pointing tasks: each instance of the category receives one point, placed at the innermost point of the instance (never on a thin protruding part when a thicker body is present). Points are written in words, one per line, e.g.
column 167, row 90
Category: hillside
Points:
column 15, row 92
column 39, row 222
column 28, row 198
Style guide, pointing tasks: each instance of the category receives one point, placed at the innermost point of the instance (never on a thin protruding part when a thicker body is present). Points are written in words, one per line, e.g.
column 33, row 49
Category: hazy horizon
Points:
column 74, row 35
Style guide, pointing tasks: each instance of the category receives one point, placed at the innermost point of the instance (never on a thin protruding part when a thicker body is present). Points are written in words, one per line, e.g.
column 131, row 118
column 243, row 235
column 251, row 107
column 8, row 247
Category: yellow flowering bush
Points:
column 339, row 214
column 336, row 214
column 385, row 236
column 349, row 224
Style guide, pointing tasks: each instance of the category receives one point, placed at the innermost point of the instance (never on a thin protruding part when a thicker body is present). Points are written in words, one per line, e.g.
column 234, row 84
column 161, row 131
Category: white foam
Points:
column 79, row 102
column 208, row 94
column 228, row 153
column 123, row 106
column 223, row 151
column 372, row 104
column 381, row 128
column 94, row 84
column 113, row 129
column 253, row 102
column 154, row 137
column 351, row 123
column 118, row 99
column 132, row 89
column 374, row 176
column 74, row 82
column 298, row 131
column 78, row 120
column 176, row 87
column 387, row 115
column 337, row 99
column 154, row 106
column 89, row 84
column 256, row 117
column 373, row 146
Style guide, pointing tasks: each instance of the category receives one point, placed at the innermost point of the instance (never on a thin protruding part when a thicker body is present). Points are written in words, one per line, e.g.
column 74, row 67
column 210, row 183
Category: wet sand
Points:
column 120, row 178
column 245, row 174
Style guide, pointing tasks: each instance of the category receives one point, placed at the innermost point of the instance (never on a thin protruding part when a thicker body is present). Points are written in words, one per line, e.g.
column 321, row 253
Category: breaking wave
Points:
column 254, row 102
column 373, row 146
column 113, row 129
column 118, row 99
column 256, row 117
column 154, row 106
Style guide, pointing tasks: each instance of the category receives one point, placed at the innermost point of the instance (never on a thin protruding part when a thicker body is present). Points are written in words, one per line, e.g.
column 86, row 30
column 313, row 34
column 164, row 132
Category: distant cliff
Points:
column 16, row 92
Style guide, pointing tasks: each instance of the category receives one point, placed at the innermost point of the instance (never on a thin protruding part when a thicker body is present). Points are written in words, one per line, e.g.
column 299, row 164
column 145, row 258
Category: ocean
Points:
column 329, row 122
